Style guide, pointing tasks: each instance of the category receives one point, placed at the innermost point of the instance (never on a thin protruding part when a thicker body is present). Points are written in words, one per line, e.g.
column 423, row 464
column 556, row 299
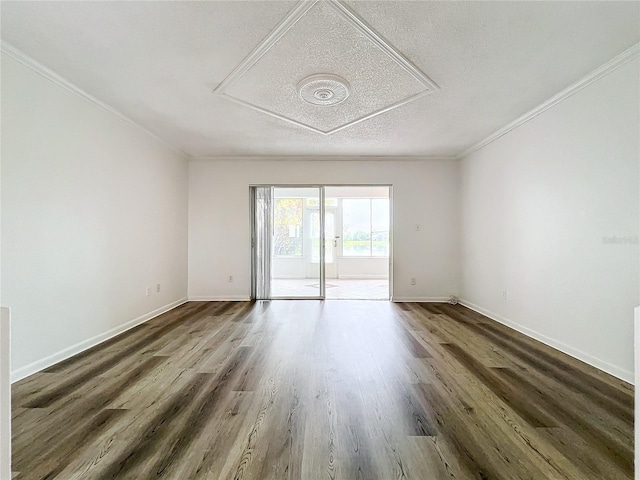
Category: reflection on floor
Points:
column 337, row 289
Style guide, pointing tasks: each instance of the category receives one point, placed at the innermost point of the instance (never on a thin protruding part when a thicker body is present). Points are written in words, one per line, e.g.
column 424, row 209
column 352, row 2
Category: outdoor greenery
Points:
column 362, row 247
column 365, row 227
column 287, row 239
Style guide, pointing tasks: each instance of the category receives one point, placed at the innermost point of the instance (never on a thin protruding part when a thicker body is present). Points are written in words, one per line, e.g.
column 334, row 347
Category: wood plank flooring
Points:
column 306, row 390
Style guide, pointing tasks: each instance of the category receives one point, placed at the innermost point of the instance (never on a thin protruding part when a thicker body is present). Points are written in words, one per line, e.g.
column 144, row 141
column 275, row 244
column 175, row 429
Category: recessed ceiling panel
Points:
column 325, row 38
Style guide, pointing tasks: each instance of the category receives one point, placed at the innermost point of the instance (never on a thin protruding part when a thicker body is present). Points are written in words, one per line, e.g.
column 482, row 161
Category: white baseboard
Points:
column 221, row 298
column 614, row 370
column 420, row 299
column 39, row 365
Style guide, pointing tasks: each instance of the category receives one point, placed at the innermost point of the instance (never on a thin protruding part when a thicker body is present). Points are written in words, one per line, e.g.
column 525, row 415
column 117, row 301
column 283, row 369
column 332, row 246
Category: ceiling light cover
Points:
column 324, row 90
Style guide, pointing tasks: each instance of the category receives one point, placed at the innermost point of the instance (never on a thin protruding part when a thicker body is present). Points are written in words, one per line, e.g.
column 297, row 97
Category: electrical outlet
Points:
column 417, row 228
column 148, row 291
column 413, row 281
column 158, row 288
column 230, row 278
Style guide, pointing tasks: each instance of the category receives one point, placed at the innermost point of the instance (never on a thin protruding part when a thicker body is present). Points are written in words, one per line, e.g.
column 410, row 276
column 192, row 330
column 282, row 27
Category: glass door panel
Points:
column 296, row 243
column 330, row 241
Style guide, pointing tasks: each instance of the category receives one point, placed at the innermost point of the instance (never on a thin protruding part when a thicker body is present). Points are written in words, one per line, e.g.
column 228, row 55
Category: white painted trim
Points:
column 221, row 298
column 602, row 71
column 79, row 347
column 614, row 370
column 49, row 74
column 5, row 393
column 420, row 299
column 298, row 12
column 383, row 44
column 325, row 158
column 375, row 113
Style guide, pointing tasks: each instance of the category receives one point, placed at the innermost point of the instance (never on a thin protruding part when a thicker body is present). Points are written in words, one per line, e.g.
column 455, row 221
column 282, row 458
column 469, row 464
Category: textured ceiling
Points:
column 174, row 66
column 317, row 38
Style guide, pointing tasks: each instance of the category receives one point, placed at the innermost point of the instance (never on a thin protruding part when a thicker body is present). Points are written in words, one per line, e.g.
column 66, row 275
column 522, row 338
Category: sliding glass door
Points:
column 306, row 236
column 290, row 244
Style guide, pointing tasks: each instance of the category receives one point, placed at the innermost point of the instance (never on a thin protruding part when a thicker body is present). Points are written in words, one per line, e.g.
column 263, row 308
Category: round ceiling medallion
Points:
column 324, row 89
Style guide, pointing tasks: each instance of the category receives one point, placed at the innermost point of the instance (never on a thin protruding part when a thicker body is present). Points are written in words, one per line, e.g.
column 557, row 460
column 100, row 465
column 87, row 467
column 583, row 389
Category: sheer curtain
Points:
column 262, row 199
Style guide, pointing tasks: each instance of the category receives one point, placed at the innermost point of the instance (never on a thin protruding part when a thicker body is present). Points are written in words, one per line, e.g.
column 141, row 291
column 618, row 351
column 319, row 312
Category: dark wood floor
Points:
column 322, row 390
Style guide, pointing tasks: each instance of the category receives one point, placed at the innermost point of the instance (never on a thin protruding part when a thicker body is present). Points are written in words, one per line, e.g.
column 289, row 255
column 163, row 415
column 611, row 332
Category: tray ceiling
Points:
column 468, row 68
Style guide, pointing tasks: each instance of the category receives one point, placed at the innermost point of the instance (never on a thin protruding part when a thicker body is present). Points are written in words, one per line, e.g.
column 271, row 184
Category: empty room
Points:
column 319, row 239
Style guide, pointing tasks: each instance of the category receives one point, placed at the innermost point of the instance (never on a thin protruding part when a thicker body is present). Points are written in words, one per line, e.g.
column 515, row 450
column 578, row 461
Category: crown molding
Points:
column 324, row 158
column 600, row 72
column 54, row 77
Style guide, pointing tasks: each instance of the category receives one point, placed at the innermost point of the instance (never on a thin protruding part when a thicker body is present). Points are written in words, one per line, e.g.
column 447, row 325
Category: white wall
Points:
column 94, row 210
column 5, row 367
column 536, row 206
column 288, row 267
column 425, row 193
column 363, row 267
